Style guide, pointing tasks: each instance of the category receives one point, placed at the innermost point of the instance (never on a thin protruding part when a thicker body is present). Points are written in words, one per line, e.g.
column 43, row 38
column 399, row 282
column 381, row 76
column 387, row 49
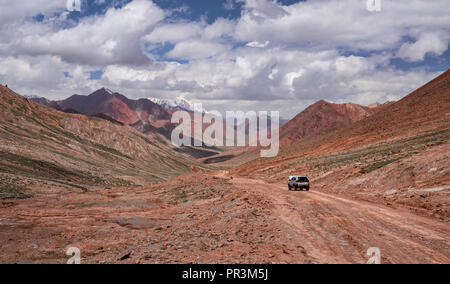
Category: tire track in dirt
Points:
column 338, row 230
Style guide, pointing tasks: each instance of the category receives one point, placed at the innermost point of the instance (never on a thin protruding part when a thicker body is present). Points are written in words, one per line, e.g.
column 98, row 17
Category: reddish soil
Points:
column 213, row 218
column 321, row 118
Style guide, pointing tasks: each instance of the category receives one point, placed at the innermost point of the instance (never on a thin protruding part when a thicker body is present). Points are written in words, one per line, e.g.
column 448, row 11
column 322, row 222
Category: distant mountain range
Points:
column 143, row 114
column 44, row 101
column 151, row 114
column 154, row 114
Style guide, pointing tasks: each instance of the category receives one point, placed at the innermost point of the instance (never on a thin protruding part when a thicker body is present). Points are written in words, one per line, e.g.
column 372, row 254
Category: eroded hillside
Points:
column 43, row 147
column 399, row 154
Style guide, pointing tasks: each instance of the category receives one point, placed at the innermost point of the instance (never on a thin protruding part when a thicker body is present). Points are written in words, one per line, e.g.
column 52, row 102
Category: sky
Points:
column 229, row 55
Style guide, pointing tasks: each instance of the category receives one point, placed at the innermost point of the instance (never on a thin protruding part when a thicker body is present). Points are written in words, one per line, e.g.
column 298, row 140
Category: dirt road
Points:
column 337, row 230
column 211, row 218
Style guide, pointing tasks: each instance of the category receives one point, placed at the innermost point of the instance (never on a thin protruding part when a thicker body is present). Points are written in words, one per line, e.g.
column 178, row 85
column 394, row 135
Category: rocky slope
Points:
column 316, row 120
column 40, row 145
column 321, row 118
column 400, row 151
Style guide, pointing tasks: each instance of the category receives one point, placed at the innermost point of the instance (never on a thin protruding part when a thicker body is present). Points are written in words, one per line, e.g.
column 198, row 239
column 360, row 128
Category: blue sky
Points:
column 209, row 9
column 253, row 54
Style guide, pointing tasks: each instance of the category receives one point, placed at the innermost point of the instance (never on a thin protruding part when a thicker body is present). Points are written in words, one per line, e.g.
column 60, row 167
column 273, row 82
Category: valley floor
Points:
column 214, row 218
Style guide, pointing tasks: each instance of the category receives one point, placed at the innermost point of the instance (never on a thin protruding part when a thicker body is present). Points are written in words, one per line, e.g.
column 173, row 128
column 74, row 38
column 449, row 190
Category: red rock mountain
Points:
column 39, row 144
column 142, row 114
column 118, row 107
column 323, row 117
column 422, row 117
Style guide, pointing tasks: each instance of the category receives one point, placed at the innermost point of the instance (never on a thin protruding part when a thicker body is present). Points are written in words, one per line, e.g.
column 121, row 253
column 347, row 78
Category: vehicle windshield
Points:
column 303, row 179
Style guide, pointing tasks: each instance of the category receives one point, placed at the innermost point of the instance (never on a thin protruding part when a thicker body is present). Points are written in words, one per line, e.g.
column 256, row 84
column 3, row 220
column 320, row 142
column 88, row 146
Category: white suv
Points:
column 298, row 183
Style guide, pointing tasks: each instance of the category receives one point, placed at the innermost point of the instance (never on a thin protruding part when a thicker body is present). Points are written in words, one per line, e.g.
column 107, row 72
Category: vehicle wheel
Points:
column 290, row 189
column 307, row 189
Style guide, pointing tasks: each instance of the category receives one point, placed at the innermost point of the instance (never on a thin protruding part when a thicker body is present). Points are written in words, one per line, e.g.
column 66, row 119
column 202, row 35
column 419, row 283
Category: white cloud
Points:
column 273, row 56
column 229, row 5
column 432, row 43
column 352, row 65
column 194, row 40
column 44, row 76
column 260, row 10
column 15, row 11
column 175, row 32
column 197, row 49
column 258, row 44
column 112, row 38
column 343, row 23
column 221, row 27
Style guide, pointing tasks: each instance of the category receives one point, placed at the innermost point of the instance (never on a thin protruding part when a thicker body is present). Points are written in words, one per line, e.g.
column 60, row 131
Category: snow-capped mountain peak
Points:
column 178, row 103
column 31, row 97
column 108, row 91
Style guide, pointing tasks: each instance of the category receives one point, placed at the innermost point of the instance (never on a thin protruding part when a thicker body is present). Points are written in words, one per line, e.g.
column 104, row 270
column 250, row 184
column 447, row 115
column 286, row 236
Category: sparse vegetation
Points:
column 378, row 165
column 111, row 151
column 375, row 156
column 19, row 163
column 10, row 191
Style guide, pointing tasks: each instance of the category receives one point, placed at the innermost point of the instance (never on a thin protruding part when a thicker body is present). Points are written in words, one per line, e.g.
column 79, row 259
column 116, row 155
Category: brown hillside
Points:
column 321, row 118
column 399, row 154
column 41, row 145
